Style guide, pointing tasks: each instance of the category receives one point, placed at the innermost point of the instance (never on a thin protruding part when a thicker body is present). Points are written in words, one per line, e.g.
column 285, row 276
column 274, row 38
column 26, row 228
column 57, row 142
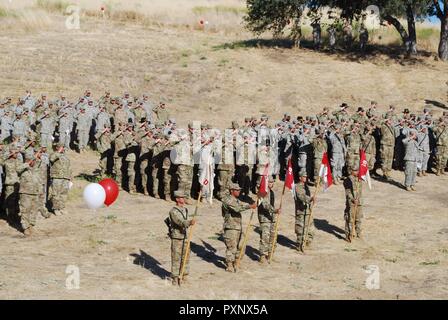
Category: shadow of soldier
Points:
column 149, row 263
column 323, row 225
column 207, row 253
column 286, row 242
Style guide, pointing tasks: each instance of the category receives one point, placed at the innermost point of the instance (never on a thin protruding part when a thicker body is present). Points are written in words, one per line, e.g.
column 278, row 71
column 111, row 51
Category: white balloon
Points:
column 94, row 195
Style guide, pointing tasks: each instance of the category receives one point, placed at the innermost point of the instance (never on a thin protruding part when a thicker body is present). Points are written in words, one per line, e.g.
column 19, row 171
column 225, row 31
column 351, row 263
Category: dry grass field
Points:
column 216, row 75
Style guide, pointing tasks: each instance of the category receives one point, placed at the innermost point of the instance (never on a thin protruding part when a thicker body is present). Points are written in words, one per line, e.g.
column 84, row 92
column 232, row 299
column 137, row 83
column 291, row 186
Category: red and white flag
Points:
column 264, row 182
column 364, row 169
column 289, row 179
column 325, row 172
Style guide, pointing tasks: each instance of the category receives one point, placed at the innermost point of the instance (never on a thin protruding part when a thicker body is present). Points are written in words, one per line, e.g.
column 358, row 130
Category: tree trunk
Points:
column 397, row 24
column 443, row 44
column 411, row 43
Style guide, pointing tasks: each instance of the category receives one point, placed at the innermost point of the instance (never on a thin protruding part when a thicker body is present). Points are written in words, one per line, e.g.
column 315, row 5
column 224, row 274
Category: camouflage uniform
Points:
column 12, row 182
column 41, row 166
column 319, row 148
column 266, row 217
column 231, row 212
column 104, row 147
column 84, row 123
column 353, row 194
column 388, row 135
column 180, row 222
column 156, row 164
column 410, row 158
column 119, row 153
column 146, row 148
column 441, row 137
column 28, row 196
column 130, row 159
column 302, row 207
column 60, row 175
column 353, row 145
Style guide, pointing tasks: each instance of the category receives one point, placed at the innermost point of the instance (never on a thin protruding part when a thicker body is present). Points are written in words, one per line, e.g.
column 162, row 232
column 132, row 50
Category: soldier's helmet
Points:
column 179, row 194
column 302, row 173
column 235, row 125
column 234, row 186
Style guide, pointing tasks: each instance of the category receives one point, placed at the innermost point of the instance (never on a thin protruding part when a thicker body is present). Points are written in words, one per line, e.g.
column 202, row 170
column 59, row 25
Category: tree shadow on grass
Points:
column 372, row 51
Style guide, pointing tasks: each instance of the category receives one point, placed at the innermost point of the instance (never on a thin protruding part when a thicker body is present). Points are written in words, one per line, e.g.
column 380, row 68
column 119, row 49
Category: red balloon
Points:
column 111, row 188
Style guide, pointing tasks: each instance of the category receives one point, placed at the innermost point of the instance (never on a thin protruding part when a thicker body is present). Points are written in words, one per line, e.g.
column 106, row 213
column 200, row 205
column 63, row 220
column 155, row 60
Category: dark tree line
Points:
column 276, row 15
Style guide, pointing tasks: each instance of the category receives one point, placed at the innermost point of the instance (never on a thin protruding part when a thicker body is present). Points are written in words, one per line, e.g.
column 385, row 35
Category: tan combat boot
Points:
column 408, row 189
column 424, row 173
column 175, row 281
column 28, row 232
column 262, row 259
column 419, row 174
column 413, row 188
column 229, row 266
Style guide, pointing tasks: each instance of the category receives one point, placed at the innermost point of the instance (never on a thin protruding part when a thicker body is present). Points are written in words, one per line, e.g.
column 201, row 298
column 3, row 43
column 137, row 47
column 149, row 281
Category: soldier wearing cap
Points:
column 180, row 221
column 60, row 175
column 339, row 150
column 83, row 124
column 41, row 165
column 161, row 112
column 266, row 217
column 28, row 194
column 12, row 166
column 388, row 135
column 303, row 200
column 353, row 204
column 131, row 157
column 411, row 157
column 146, row 143
column 104, row 146
column 226, row 167
column 354, row 143
column 65, row 128
column 441, row 139
column 232, row 208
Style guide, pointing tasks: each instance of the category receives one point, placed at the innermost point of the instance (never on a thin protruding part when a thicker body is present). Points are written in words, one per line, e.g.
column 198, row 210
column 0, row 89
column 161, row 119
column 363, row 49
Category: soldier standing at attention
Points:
column 303, row 200
column 353, row 205
column 388, row 135
column 28, row 195
column 179, row 222
column 231, row 212
column 266, row 217
column 411, row 155
column 104, row 147
column 60, row 175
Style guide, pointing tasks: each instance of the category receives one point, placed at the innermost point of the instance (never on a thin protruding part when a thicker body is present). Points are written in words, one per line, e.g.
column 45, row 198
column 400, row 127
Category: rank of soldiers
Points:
column 143, row 149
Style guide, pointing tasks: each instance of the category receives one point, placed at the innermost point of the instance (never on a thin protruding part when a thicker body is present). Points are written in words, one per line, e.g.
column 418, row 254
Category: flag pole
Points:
column 190, row 235
column 243, row 247
column 274, row 239
column 310, row 219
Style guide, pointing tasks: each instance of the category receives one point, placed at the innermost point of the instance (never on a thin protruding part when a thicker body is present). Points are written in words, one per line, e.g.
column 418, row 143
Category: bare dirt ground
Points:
column 123, row 253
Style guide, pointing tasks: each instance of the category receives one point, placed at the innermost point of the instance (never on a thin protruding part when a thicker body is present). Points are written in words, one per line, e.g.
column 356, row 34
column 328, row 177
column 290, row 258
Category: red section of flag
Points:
column 325, row 172
column 264, row 182
column 363, row 173
column 289, row 179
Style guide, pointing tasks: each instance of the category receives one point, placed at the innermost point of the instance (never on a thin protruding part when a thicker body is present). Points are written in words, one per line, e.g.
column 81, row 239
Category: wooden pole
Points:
column 190, row 235
column 243, row 247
